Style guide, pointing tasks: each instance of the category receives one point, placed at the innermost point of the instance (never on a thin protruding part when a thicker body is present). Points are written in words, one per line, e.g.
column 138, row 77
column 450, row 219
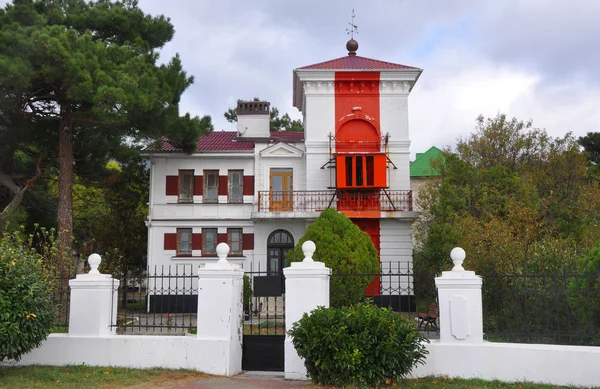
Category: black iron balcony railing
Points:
column 318, row 200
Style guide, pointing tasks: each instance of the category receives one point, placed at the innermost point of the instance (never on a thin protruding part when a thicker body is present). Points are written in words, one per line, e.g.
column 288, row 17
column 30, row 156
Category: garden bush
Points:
column 361, row 345
column 26, row 308
column 345, row 249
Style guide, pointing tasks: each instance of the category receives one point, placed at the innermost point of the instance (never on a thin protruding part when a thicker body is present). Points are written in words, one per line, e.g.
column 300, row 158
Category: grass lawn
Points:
column 88, row 377
column 450, row 383
column 76, row 377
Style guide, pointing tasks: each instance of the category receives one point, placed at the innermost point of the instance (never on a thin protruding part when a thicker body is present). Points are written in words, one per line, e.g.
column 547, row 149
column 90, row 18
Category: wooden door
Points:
column 281, row 189
column 371, row 227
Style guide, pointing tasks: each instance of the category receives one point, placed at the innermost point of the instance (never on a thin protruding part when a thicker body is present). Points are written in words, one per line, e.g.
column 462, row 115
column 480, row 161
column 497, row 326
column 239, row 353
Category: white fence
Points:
column 216, row 348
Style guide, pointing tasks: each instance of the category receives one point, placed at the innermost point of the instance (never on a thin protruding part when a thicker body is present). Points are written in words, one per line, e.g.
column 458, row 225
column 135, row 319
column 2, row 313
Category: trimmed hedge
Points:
column 358, row 345
column 344, row 248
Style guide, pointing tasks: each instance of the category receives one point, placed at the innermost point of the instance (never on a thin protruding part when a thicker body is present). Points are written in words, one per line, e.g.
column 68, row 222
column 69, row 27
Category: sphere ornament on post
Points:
column 308, row 248
column 458, row 256
column 222, row 251
column 94, row 260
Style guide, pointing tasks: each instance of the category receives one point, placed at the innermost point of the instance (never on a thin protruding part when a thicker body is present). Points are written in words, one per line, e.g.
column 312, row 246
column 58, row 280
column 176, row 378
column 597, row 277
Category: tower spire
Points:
column 352, row 45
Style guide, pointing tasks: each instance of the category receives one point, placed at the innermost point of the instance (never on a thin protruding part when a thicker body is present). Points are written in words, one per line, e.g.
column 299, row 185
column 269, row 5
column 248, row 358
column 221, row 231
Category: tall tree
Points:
column 513, row 197
column 87, row 73
column 591, row 144
column 277, row 122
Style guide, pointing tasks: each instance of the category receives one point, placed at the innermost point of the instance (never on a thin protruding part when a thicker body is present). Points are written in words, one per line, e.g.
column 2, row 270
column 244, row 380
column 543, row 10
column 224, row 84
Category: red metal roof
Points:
column 224, row 141
column 287, row 136
column 355, row 62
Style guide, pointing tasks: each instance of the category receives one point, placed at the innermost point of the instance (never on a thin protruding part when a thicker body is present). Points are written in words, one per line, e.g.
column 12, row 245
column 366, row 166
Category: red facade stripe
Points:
column 223, row 186
column 222, row 238
column 248, row 185
column 172, row 186
column 170, row 241
column 248, row 241
column 196, row 241
column 198, row 185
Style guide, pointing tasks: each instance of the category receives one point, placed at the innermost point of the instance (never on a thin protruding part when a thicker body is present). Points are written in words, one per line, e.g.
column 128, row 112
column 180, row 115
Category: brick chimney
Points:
column 253, row 119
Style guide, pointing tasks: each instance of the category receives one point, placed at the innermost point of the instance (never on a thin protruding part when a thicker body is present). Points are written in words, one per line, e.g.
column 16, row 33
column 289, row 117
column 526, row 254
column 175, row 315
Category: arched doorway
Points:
column 278, row 244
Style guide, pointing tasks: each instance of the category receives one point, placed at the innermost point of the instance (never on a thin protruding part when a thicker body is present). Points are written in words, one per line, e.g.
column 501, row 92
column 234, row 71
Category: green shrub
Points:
column 359, row 345
column 584, row 292
column 344, row 248
column 26, row 308
column 247, row 293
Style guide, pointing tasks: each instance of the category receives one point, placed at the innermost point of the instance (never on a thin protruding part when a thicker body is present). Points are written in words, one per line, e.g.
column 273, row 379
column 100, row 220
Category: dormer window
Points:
column 361, row 171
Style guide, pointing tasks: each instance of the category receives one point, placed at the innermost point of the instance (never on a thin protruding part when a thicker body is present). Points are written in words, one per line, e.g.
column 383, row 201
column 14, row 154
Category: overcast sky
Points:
column 532, row 59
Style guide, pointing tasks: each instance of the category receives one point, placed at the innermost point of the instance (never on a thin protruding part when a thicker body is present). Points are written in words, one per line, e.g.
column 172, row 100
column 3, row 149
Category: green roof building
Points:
column 421, row 166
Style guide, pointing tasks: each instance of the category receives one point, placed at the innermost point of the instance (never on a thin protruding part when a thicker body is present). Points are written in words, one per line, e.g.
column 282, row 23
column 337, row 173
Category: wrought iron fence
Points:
column 61, row 298
column 163, row 300
column 396, row 286
column 548, row 308
column 264, row 302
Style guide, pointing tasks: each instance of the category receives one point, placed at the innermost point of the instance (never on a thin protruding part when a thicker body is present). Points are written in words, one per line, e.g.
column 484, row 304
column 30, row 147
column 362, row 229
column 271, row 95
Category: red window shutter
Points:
column 172, row 187
column 248, row 243
column 223, row 186
column 196, row 241
column 380, row 171
column 248, row 185
column 340, row 166
column 222, row 238
column 198, row 185
column 171, row 241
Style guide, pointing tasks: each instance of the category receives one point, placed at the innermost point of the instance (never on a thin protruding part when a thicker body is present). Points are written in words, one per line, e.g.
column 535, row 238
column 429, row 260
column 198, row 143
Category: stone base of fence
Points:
column 513, row 362
column 133, row 351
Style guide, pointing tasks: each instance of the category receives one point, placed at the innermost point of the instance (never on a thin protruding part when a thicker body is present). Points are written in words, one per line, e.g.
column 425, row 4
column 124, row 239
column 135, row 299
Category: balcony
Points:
column 353, row 203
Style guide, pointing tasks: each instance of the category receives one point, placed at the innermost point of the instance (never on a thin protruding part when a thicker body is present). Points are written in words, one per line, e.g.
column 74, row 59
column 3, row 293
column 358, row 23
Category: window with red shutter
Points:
column 172, row 186
column 235, row 241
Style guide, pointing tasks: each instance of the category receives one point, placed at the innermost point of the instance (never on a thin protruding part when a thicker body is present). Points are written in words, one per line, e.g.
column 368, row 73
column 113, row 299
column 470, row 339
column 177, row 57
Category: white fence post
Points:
column 93, row 307
column 219, row 316
column 459, row 295
column 306, row 288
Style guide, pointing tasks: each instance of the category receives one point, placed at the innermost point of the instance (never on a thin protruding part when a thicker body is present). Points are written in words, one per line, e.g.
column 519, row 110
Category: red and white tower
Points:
column 357, row 142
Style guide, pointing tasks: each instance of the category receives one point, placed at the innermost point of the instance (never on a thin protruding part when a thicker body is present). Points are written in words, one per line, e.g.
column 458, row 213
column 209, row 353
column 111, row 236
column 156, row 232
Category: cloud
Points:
column 534, row 59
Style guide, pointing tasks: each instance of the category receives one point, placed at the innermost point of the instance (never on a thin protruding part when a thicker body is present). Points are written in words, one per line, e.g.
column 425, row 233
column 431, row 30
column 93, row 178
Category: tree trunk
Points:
column 64, row 217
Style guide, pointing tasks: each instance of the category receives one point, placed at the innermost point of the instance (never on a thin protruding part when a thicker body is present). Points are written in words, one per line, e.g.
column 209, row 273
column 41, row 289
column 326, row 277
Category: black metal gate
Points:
column 264, row 323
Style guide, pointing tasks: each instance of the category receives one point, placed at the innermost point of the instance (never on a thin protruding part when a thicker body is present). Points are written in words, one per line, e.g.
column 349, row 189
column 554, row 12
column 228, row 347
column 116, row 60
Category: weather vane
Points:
column 353, row 27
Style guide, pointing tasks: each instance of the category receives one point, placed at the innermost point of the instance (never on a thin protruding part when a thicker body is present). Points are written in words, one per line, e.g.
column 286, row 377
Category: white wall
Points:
column 253, row 125
column 319, row 108
column 133, row 351
column 512, row 362
column 171, row 165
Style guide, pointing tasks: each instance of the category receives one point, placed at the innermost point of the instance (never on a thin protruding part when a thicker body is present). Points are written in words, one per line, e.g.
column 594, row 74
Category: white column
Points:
column 220, row 309
column 459, row 294
column 93, row 305
column 306, row 288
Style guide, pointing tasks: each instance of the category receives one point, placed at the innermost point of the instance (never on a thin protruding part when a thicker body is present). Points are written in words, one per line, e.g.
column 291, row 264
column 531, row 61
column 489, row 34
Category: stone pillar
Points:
column 93, row 306
column 306, row 288
column 459, row 295
column 220, row 309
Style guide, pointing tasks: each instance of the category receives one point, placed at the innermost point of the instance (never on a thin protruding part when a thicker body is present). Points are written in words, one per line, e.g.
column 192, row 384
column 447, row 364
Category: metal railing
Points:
column 396, row 286
column 548, row 308
column 319, row 200
column 163, row 300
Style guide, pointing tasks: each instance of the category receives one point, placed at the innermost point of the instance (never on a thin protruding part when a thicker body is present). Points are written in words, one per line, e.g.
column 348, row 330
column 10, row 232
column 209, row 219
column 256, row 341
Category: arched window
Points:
column 278, row 244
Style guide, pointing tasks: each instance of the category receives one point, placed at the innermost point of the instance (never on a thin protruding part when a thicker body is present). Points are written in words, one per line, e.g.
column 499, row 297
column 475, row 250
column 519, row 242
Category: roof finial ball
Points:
column 352, row 45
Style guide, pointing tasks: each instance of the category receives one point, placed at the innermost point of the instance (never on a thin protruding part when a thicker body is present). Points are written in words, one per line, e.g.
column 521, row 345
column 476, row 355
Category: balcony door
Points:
column 278, row 244
column 281, row 187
